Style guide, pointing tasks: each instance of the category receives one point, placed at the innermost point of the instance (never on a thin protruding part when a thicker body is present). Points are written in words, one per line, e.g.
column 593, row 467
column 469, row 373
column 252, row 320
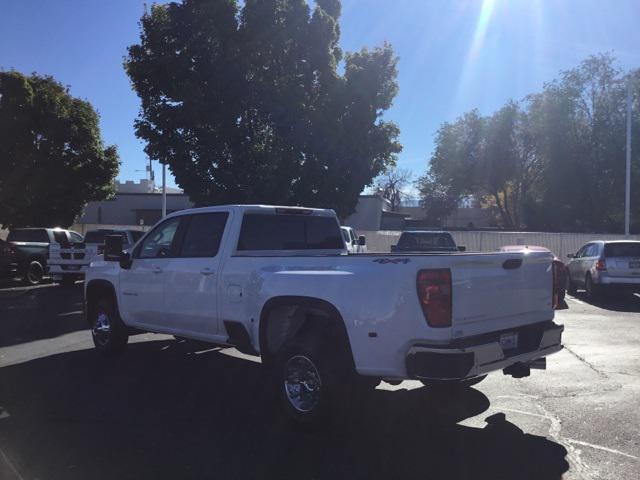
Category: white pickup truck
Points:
column 277, row 282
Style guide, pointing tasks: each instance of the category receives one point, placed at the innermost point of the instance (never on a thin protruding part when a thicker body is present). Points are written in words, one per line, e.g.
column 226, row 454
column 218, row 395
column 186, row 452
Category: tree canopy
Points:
column 247, row 103
column 554, row 161
column 52, row 158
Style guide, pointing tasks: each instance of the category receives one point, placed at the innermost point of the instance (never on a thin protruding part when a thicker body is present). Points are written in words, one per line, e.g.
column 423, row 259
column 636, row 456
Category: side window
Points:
column 60, row 237
column 203, row 235
column 580, row 252
column 353, row 237
column 76, row 237
column 161, row 242
column 591, row 251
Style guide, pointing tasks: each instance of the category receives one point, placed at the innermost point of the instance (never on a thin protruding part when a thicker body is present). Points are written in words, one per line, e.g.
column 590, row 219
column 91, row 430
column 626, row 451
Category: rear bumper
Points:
column 483, row 354
column 58, row 270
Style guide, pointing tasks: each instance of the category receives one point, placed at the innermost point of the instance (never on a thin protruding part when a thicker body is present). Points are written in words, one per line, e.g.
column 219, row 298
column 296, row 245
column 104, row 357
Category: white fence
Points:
column 380, row 241
column 559, row 243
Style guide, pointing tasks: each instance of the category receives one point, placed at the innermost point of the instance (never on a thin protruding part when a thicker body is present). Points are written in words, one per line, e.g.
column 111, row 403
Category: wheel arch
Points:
column 97, row 289
column 275, row 313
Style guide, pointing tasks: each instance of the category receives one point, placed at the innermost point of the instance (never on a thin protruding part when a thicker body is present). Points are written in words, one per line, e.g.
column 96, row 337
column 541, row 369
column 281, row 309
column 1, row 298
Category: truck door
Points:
column 191, row 281
column 142, row 285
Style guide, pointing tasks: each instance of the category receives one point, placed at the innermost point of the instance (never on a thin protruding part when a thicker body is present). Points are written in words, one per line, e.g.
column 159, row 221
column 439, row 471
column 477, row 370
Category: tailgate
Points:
column 67, row 254
column 622, row 259
column 499, row 291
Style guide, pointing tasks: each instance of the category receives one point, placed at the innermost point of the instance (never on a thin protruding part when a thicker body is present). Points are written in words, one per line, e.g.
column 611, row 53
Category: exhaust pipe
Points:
column 539, row 363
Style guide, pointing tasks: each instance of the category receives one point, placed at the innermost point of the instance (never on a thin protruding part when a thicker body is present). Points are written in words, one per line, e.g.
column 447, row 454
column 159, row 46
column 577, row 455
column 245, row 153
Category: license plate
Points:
column 509, row 341
column 634, row 264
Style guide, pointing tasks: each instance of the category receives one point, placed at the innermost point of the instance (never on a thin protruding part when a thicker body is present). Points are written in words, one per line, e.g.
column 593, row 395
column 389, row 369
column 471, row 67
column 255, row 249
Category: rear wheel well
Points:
column 284, row 318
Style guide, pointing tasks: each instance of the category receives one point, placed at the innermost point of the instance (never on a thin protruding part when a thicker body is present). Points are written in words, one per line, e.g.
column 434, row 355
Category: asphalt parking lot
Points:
column 175, row 409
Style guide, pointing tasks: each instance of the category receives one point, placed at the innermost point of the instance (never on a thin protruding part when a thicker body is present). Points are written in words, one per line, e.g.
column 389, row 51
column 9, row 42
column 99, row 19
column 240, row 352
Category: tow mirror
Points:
column 571, row 255
column 362, row 240
column 462, row 248
column 125, row 260
column 112, row 248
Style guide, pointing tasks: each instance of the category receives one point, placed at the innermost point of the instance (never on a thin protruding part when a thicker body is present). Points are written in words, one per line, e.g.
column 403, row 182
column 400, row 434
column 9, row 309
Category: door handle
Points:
column 155, row 269
column 207, row 271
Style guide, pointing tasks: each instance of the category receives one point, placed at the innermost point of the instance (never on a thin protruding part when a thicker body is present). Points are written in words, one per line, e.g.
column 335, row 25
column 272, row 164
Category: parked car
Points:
column 560, row 269
column 353, row 243
column 426, row 241
column 68, row 262
column 32, row 249
column 276, row 282
column 605, row 266
column 8, row 260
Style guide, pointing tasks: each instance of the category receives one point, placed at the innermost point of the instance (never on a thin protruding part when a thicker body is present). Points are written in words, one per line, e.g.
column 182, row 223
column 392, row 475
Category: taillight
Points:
column 601, row 265
column 434, row 293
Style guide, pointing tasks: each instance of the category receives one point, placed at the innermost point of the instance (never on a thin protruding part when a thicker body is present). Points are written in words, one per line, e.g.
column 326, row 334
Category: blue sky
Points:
column 454, row 55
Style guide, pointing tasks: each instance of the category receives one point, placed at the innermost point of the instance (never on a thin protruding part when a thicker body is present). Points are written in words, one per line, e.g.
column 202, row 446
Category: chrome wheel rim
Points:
column 302, row 384
column 34, row 274
column 101, row 328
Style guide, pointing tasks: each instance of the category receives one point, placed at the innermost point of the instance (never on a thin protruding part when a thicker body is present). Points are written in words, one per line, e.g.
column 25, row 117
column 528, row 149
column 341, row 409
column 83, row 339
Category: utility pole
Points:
column 164, row 190
column 627, row 191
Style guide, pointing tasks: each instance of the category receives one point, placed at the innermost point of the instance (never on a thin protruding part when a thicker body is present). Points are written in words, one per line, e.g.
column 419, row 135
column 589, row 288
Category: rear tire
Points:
column 312, row 385
column 110, row 335
column 592, row 290
column 34, row 273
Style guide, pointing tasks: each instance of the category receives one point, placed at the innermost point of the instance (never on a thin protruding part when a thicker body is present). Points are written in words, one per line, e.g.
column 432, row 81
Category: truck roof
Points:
column 281, row 209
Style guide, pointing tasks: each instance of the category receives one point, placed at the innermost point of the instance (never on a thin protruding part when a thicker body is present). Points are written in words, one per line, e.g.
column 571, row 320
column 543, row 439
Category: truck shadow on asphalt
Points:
column 43, row 311
column 168, row 409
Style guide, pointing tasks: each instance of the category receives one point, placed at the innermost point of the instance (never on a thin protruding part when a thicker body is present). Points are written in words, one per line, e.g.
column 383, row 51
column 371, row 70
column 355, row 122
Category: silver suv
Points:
column 605, row 265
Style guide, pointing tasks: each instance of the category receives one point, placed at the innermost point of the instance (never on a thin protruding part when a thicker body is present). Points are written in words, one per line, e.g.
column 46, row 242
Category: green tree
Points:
column 246, row 104
column 555, row 161
column 52, row 158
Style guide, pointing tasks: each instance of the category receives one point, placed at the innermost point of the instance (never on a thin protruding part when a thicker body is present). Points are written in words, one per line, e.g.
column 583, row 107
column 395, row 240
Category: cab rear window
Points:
column 28, row 235
column 622, row 250
column 289, row 232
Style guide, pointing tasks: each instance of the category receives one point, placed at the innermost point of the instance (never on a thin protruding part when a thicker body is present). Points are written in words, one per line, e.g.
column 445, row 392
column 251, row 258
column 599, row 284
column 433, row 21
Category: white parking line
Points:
column 574, row 299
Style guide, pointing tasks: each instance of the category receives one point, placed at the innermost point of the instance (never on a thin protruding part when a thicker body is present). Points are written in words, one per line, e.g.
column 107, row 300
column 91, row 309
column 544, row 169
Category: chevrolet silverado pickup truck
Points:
column 277, row 282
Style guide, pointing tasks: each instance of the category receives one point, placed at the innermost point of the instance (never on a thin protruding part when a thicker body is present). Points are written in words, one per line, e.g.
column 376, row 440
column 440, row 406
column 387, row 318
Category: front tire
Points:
column 571, row 287
column 109, row 334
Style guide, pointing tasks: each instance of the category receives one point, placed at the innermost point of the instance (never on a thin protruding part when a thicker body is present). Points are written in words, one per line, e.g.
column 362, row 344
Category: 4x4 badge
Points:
column 383, row 261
